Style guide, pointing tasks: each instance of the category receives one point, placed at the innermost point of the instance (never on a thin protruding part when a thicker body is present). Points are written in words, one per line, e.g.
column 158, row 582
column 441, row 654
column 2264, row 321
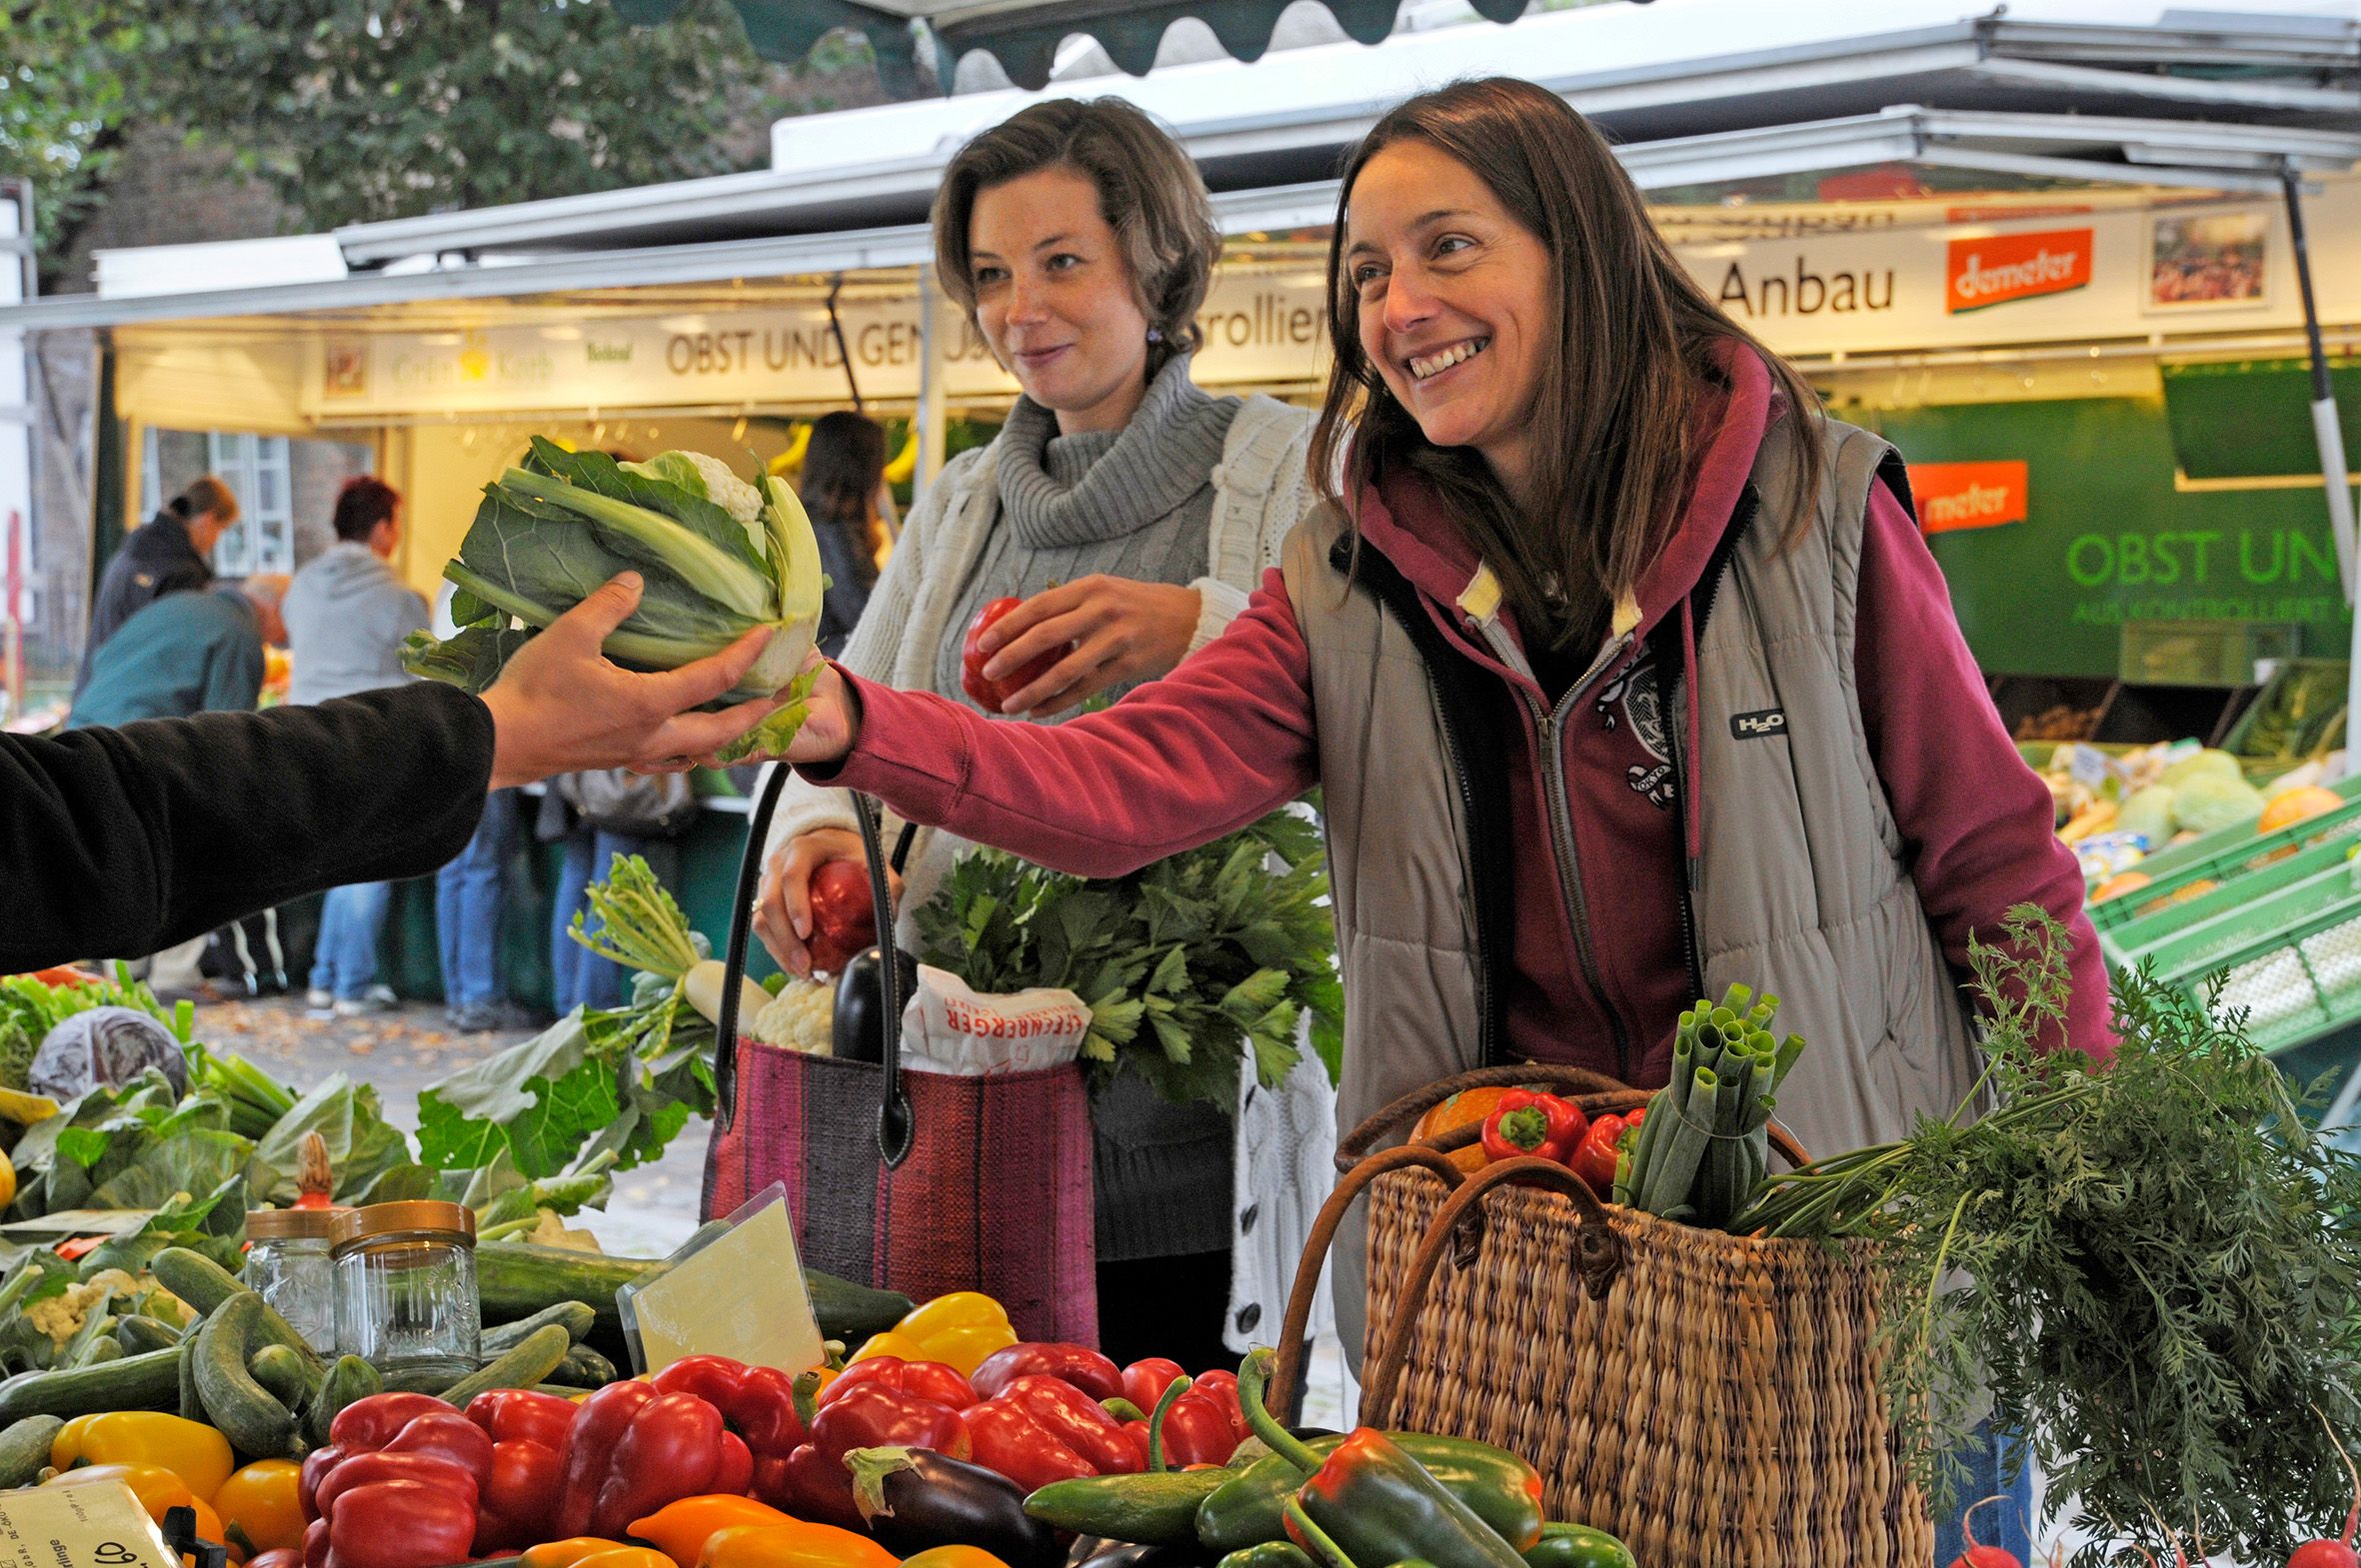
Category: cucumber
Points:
column 518, row 1279
column 24, row 1449
column 578, row 1318
column 584, row 1369
column 522, row 1367
column 280, row 1370
column 144, row 1382
column 191, row 1408
column 246, row 1413
column 207, row 1287
column 348, row 1379
column 416, row 1380
column 1151, row 1510
column 141, row 1333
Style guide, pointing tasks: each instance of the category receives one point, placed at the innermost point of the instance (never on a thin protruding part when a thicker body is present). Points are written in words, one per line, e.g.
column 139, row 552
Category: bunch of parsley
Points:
column 1188, row 965
column 2152, row 1269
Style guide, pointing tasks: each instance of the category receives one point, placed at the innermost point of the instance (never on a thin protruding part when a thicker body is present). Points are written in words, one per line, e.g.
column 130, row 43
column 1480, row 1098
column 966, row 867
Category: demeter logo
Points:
column 1997, row 267
column 1968, row 495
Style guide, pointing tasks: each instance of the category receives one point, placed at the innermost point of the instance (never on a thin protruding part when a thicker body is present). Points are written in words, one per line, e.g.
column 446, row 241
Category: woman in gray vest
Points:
column 1624, row 673
column 1133, row 514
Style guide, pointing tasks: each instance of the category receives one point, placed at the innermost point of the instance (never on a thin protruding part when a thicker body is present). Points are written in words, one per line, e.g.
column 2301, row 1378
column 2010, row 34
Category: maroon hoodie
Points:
column 1230, row 734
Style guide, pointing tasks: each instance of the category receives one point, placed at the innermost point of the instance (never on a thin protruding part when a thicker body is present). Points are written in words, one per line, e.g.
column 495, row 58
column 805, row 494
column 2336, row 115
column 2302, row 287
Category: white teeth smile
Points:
column 1437, row 364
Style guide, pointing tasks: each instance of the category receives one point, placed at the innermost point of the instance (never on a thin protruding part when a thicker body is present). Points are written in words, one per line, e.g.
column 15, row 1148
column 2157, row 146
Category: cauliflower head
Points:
column 724, row 489
column 801, row 1017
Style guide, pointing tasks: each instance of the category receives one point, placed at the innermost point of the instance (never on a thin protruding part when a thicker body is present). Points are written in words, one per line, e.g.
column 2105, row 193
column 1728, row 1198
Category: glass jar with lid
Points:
column 406, row 1287
column 289, row 1266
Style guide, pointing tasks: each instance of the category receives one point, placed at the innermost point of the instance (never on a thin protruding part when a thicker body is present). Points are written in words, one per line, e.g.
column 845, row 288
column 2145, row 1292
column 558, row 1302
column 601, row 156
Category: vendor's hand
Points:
column 562, row 707
column 1113, row 630
column 782, row 908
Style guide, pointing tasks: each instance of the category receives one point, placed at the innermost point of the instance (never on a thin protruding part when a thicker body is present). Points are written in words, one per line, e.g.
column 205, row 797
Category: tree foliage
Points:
column 356, row 110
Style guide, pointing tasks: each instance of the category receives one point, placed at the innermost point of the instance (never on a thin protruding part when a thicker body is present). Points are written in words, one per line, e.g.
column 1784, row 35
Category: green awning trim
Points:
column 1025, row 37
column 2252, row 419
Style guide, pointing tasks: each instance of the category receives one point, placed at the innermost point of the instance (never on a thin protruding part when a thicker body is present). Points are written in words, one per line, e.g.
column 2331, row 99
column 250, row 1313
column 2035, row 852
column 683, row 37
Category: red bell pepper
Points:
column 872, row 1416
column 372, row 1469
column 928, row 1380
column 316, row 1467
column 1145, row 1382
column 373, row 1422
column 757, row 1402
column 635, row 1449
column 1081, row 1423
column 400, row 1524
column 446, row 1435
column 809, row 1485
column 523, row 1415
column 1595, row 1159
column 1079, row 1365
column 989, row 694
column 1531, row 1122
column 1222, row 1387
column 315, row 1544
column 519, row 1495
column 1197, row 1431
column 1007, row 1438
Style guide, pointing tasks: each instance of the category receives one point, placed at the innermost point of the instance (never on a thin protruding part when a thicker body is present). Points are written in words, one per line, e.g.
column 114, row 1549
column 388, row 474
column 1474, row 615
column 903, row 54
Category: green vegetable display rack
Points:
column 2228, row 856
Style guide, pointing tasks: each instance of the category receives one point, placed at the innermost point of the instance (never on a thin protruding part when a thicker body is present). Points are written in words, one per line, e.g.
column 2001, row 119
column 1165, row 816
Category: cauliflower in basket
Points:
column 801, row 1017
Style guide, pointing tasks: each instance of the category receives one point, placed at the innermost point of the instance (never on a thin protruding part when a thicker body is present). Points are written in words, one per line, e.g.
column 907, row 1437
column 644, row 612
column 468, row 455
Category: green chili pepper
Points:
column 1504, row 1491
column 1369, row 1503
column 1269, row 1554
column 1577, row 1546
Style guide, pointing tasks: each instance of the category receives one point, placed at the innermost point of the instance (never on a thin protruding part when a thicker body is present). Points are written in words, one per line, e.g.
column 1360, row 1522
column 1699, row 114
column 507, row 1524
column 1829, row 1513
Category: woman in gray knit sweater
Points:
column 1133, row 514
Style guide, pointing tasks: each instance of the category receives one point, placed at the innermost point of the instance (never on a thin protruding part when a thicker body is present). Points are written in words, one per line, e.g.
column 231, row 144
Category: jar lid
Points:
column 292, row 1224
column 358, row 1225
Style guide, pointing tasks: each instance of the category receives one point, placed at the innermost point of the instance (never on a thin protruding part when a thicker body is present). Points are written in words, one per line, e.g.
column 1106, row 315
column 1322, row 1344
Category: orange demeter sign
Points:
column 1997, row 267
column 1967, row 495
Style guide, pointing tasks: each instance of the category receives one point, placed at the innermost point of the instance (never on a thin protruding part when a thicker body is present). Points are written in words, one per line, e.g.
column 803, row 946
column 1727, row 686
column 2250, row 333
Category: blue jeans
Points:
column 468, row 894
column 2004, row 1523
column 579, row 978
column 351, row 921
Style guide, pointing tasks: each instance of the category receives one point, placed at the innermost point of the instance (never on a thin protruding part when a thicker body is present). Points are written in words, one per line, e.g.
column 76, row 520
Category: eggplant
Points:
column 859, row 1032
column 914, row 1498
column 1151, row 1557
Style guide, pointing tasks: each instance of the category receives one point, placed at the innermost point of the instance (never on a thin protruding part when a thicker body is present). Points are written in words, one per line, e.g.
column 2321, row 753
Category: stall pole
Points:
column 934, row 363
column 2328, row 431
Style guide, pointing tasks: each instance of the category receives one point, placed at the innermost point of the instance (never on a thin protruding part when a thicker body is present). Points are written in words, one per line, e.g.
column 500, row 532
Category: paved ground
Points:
column 654, row 1208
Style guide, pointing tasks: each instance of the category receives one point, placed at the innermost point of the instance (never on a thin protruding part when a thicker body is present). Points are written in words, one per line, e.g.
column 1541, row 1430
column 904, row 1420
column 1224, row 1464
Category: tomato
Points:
column 843, row 914
column 986, row 693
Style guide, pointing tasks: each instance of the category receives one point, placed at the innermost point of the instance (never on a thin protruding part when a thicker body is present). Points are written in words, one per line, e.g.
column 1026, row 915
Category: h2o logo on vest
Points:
column 1760, row 724
column 1633, row 697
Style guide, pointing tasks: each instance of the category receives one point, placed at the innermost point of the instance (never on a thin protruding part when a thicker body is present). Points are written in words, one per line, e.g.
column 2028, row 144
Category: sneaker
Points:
column 320, row 1000
column 491, row 1017
column 375, row 998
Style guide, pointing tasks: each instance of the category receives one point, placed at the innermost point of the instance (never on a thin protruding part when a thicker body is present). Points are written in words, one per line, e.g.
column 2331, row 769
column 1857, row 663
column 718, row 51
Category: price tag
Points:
column 741, row 1295
column 88, row 1526
column 2089, row 767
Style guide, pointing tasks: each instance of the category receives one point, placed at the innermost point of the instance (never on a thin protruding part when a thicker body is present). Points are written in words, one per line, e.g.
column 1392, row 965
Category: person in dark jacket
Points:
column 167, row 553
column 842, row 467
column 131, row 839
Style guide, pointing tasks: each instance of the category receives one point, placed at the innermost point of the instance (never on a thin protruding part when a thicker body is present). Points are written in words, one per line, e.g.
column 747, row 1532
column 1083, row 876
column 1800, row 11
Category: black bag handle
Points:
column 897, row 1130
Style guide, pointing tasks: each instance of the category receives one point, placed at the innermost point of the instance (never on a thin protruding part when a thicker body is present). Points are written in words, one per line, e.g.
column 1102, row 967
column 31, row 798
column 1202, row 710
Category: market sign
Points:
column 1994, row 269
column 1952, row 495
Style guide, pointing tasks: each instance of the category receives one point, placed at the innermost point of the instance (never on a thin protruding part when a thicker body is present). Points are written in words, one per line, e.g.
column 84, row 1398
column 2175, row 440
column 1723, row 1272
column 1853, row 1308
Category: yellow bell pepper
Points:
column 959, row 1330
column 791, row 1545
column 261, row 1504
column 625, row 1557
column 679, row 1528
column 195, row 1452
column 953, row 1557
column 158, row 1491
column 574, row 1551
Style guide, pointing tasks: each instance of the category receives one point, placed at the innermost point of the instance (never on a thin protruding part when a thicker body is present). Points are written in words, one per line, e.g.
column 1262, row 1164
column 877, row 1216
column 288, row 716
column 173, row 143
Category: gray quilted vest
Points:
column 1804, row 894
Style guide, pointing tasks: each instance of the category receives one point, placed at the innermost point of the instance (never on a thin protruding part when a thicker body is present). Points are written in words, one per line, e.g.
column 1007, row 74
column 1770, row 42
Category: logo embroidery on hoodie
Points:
column 1633, row 698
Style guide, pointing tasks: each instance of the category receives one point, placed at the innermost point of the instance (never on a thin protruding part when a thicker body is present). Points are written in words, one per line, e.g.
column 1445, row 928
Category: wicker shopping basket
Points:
column 1712, row 1399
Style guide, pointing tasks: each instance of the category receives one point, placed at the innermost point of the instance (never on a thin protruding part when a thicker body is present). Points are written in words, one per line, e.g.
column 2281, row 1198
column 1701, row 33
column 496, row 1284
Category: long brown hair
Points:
column 1634, row 351
column 1150, row 193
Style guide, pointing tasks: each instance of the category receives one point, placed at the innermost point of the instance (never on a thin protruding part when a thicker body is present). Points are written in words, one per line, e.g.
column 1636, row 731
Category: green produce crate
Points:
column 2291, row 959
column 2300, row 713
column 2227, row 854
column 2139, row 922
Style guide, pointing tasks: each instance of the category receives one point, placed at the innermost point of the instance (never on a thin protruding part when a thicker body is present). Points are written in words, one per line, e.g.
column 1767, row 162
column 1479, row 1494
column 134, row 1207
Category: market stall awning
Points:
column 1024, row 34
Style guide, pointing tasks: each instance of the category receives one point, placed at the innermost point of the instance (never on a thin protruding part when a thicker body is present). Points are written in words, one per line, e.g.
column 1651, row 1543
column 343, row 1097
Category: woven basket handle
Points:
column 1421, row 1100
column 1600, row 1255
column 1284, row 1383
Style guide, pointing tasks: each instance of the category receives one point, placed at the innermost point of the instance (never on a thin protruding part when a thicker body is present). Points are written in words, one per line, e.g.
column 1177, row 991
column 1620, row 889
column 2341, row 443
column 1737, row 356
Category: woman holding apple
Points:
column 1119, row 522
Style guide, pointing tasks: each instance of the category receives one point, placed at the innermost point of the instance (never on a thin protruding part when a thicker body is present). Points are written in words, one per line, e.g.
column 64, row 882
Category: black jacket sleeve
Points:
column 118, row 842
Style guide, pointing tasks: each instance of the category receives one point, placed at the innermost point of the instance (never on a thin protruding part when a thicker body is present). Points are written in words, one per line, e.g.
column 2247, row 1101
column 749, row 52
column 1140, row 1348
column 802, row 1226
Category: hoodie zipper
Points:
column 1549, row 723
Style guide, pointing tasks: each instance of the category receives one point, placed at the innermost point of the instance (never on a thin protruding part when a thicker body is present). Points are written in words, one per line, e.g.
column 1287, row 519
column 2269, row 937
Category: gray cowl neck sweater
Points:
column 1135, row 503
